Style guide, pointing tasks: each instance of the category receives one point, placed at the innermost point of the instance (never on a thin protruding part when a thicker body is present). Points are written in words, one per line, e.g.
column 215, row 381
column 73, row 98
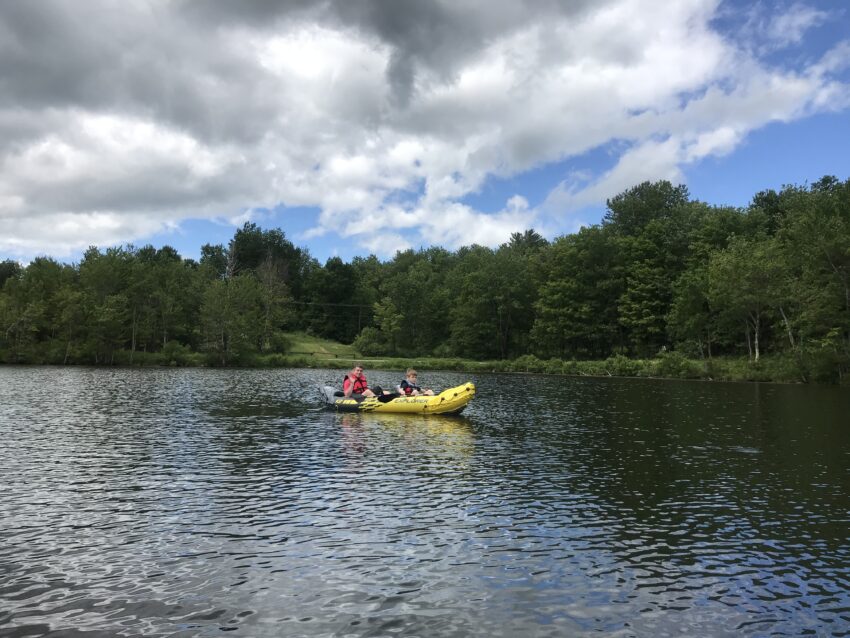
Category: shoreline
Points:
column 670, row 366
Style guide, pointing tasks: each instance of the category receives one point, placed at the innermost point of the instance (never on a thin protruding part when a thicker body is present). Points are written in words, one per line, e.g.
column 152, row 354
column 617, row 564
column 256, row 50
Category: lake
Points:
column 195, row 502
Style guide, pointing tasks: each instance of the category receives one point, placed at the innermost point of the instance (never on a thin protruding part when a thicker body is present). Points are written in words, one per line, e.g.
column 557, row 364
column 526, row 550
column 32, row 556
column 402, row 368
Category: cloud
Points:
column 454, row 224
column 709, row 125
column 383, row 231
column 65, row 232
column 788, row 28
column 650, row 160
column 384, row 116
column 384, row 243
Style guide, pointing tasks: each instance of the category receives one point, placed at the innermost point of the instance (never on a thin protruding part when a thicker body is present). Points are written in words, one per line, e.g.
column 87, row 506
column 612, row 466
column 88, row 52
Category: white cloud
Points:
column 65, row 232
column 710, row 125
column 216, row 110
column 650, row 160
column 452, row 224
column 785, row 29
column 769, row 27
column 385, row 244
column 835, row 60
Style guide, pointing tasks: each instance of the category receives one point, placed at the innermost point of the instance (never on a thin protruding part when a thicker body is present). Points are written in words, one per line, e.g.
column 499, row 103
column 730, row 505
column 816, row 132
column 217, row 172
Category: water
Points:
column 225, row 502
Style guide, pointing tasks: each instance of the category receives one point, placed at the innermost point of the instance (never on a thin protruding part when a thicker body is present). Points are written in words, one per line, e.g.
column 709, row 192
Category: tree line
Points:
column 660, row 273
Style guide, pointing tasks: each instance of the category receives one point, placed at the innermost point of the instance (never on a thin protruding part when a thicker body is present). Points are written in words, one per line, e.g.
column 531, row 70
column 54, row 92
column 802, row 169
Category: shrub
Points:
column 529, row 363
column 370, row 342
column 621, row 366
column 675, row 365
column 569, row 367
column 279, row 343
column 824, row 364
column 175, row 353
column 443, row 351
column 553, row 366
column 143, row 359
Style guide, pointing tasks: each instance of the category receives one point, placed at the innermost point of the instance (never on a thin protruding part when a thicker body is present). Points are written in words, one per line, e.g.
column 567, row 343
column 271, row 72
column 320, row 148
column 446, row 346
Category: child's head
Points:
column 411, row 373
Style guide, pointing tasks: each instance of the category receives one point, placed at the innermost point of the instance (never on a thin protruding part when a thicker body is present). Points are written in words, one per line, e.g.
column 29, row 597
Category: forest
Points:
column 662, row 275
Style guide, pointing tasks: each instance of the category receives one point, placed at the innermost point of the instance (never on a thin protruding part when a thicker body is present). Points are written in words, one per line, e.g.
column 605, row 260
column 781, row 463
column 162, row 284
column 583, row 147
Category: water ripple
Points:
column 191, row 502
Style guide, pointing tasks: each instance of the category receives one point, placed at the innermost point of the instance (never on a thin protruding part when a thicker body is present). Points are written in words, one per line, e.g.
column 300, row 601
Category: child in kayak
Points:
column 355, row 383
column 408, row 386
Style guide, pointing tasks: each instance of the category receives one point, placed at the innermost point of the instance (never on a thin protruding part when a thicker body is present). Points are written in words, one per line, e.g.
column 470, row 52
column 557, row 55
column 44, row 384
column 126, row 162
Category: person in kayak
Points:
column 355, row 384
column 408, row 385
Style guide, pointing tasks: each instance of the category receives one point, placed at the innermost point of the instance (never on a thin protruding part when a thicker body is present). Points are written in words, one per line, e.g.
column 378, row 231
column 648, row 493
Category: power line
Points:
column 331, row 303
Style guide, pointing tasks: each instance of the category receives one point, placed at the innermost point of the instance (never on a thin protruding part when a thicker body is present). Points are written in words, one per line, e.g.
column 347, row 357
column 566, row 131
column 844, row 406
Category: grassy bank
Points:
column 306, row 351
column 312, row 352
column 668, row 366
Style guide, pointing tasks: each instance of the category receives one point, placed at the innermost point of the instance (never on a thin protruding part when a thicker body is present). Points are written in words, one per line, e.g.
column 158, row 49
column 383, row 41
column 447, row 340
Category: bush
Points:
column 175, row 353
column 142, row 359
column 784, row 368
column 570, row 367
column 553, row 366
column 675, row 365
column 529, row 363
column 370, row 343
column 824, row 364
column 443, row 351
column 621, row 366
column 279, row 343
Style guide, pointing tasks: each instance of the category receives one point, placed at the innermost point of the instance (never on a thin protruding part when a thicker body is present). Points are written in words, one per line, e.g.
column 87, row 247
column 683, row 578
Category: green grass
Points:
column 672, row 365
column 307, row 351
column 308, row 346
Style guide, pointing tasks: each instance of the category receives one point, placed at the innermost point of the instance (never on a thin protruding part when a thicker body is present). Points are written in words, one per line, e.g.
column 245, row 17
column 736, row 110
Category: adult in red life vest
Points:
column 355, row 383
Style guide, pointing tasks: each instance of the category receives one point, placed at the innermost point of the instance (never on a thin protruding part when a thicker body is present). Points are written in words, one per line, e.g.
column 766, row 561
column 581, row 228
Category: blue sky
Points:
column 369, row 127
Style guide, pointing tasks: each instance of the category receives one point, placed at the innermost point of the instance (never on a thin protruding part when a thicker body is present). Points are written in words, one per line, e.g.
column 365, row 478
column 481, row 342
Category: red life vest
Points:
column 408, row 387
column 359, row 384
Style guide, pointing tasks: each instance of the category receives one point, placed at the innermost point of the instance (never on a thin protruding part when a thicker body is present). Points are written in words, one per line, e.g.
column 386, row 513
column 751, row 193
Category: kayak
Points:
column 451, row 401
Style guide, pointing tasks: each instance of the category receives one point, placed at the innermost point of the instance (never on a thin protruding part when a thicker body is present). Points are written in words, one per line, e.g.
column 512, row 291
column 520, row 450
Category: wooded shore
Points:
column 663, row 286
column 770, row 369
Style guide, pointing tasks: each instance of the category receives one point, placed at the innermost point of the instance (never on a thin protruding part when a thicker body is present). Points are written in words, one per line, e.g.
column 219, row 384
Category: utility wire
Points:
column 330, row 303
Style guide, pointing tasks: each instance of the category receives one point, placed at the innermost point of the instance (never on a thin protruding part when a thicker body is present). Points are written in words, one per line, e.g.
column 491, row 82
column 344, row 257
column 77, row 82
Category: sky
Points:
column 371, row 126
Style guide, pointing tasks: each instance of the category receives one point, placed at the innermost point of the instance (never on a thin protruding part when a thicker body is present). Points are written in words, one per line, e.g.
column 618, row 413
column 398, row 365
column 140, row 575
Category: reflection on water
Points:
column 191, row 502
column 423, row 437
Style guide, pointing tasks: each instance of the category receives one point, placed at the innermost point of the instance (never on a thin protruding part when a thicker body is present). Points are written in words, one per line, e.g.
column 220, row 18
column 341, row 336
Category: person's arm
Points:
column 347, row 386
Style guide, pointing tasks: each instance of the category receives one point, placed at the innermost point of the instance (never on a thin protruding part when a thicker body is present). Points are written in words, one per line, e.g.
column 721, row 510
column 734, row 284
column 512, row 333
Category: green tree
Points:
column 230, row 318
column 9, row 269
column 691, row 319
column 332, row 311
column 815, row 240
column 20, row 319
column 71, row 319
column 629, row 212
column 252, row 246
column 415, row 283
column 30, row 313
column 370, row 273
column 745, row 285
column 643, row 306
column 109, row 323
column 275, row 307
column 214, row 261
column 474, row 321
column 652, row 225
column 577, row 310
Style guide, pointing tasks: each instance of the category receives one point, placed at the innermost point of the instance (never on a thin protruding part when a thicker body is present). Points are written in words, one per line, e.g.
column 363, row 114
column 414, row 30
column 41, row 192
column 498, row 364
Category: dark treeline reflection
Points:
column 661, row 273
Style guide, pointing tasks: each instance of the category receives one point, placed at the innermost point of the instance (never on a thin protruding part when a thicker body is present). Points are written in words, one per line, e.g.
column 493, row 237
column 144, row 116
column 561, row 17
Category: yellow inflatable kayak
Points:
column 451, row 401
